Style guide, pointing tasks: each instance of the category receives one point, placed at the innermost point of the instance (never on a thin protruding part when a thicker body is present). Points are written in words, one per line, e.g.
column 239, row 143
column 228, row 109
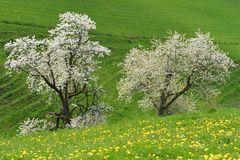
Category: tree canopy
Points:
column 172, row 68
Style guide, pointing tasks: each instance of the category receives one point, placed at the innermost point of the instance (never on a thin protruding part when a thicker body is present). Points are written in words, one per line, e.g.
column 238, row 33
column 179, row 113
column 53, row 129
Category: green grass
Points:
column 215, row 134
column 121, row 25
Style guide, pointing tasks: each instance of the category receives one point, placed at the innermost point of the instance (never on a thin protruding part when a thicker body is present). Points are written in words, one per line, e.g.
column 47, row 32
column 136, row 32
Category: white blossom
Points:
column 64, row 63
column 67, row 57
column 34, row 125
column 96, row 115
column 172, row 68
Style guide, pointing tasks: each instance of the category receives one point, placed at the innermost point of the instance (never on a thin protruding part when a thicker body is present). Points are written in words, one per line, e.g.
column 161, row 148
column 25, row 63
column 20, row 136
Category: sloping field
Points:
column 215, row 136
column 121, row 25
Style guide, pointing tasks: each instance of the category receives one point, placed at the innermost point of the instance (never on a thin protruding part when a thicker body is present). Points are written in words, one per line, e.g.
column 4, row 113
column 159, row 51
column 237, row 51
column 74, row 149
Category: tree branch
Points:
column 185, row 89
column 50, row 67
column 83, row 90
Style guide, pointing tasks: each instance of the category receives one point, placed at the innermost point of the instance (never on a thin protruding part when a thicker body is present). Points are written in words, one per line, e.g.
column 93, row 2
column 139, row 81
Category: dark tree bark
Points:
column 66, row 113
column 162, row 106
column 167, row 99
column 57, row 122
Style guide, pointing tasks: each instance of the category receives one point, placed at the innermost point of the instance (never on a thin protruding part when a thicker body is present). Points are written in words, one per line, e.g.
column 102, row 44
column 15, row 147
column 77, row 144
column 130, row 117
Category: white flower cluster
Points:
column 34, row 125
column 67, row 58
column 172, row 68
column 94, row 116
column 87, row 120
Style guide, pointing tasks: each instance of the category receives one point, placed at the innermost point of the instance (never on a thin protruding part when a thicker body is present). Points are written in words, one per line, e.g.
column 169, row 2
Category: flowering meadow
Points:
column 212, row 134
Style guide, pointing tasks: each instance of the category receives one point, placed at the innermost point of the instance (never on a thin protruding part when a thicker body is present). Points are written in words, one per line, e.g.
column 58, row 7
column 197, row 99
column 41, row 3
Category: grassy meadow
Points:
column 130, row 132
column 215, row 136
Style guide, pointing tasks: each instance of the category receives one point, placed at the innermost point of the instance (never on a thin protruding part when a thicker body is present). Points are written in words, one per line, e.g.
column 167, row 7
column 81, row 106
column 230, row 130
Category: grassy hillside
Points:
column 121, row 25
column 215, row 135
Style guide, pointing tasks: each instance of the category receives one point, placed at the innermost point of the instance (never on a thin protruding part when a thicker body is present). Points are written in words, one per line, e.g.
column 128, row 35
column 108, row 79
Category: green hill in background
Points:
column 121, row 25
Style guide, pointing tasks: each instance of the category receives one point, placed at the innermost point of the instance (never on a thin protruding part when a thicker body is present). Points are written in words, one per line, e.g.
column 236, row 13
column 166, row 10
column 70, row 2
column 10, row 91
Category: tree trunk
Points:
column 57, row 123
column 162, row 106
column 66, row 113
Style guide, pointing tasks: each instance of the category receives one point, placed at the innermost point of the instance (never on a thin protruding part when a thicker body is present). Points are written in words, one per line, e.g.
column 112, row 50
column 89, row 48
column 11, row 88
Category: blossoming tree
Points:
column 172, row 68
column 63, row 63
